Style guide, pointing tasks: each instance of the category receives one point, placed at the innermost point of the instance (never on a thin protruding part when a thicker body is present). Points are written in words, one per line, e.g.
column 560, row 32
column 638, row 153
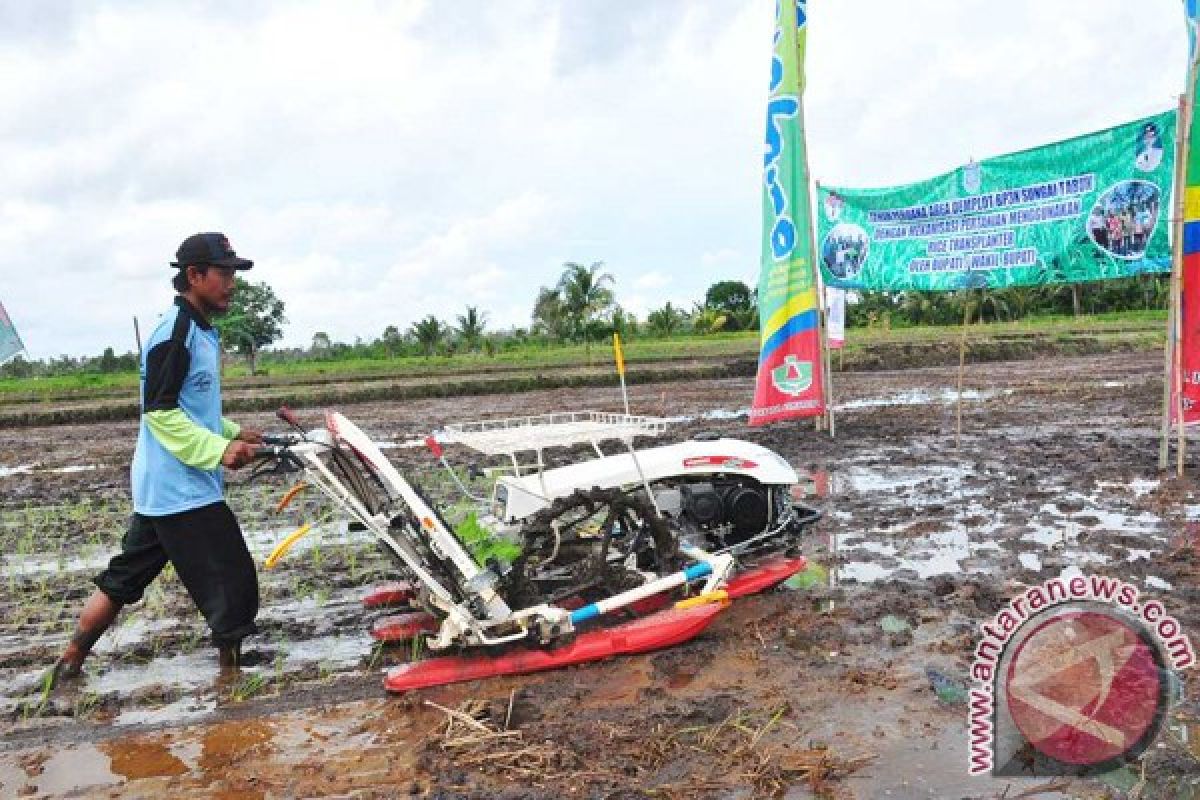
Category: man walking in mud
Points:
column 179, row 511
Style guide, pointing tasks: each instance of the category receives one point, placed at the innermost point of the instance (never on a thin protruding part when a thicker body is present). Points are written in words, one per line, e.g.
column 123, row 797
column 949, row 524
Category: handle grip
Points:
column 286, row 414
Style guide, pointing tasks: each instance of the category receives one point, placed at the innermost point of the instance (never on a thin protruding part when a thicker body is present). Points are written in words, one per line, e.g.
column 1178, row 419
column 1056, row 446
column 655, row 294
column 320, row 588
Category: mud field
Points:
column 818, row 691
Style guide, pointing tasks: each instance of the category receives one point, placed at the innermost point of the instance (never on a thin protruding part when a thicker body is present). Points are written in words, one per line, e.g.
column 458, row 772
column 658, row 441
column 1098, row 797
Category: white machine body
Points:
column 518, row 497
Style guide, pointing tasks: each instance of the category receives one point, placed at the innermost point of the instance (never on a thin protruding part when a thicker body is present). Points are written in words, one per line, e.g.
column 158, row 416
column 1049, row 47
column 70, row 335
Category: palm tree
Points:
column 666, row 320
column 1022, row 299
column 708, row 320
column 995, row 302
column 470, row 327
column 429, row 333
column 586, row 295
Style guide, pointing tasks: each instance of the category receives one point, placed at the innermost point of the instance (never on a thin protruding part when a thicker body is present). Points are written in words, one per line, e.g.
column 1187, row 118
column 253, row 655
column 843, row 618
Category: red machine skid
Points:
column 664, row 629
column 762, row 578
column 403, row 627
column 390, row 594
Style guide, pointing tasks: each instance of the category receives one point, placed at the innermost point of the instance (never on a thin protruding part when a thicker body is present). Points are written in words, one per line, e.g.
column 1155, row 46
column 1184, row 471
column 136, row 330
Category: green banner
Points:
column 1090, row 208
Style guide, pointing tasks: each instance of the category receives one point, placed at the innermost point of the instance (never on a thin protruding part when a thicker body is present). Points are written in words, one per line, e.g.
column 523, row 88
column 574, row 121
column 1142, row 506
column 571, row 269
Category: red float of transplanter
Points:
column 390, row 594
column 762, row 578
column 664, row 629
column 403, row 627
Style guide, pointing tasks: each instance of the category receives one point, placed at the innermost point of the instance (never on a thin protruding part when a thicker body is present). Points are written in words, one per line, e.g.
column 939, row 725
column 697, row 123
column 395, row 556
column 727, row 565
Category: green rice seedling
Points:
column 194, row 639
column 86, row 704
column 251, row 685
column 376, row 658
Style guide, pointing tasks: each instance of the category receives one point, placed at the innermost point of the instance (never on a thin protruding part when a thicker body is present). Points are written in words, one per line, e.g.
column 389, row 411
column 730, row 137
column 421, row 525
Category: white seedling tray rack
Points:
column 506, row 437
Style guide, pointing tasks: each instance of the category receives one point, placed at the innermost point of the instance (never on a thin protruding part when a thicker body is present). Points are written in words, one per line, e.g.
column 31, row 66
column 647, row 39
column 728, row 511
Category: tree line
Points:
column 1141, row 292
column 581, row 307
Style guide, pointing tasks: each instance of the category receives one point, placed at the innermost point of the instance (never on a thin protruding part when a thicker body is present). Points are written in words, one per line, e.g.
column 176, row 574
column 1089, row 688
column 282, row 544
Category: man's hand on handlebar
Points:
column 238, row 454
column 251, row 435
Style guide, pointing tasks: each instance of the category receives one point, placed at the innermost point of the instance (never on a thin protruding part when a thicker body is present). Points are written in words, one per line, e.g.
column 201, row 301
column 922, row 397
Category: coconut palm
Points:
column 429, row 333
column 587, row 296
column 666, row 320
column 471, row 327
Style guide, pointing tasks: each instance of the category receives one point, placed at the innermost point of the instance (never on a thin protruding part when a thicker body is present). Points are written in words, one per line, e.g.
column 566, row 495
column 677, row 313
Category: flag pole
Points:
column 620, row 357
column 962, row 365
column 822, row 326
column 1164, row 437
column 1183, row 132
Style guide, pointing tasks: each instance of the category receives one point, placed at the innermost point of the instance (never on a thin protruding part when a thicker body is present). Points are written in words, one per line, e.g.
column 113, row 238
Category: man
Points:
column 1149, row 149
column 178, row 490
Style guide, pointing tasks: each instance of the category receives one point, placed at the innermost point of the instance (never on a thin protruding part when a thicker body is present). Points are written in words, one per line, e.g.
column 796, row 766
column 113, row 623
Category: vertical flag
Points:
column 10, row 341
column 1188, row 360
column 790, row 379
column 620, row 358
column 835, row 317
column 1191, row 8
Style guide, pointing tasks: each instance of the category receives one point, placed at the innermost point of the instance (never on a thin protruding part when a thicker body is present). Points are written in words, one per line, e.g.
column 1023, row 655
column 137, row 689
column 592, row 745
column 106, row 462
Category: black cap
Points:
column 211, row 249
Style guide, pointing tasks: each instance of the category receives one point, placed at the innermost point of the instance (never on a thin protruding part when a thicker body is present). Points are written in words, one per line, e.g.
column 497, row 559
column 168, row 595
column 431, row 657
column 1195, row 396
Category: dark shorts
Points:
column 209, row 554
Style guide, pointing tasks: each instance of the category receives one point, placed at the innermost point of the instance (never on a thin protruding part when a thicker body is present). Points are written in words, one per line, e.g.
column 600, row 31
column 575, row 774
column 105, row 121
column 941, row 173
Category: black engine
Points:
column 742, row 506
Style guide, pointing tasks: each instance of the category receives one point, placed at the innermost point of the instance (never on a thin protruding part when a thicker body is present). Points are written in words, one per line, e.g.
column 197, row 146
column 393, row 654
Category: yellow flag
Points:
column 619, row 355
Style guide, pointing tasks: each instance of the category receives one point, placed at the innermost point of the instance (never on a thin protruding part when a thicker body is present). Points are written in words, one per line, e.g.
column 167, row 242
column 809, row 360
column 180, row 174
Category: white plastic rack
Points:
column 540, row 432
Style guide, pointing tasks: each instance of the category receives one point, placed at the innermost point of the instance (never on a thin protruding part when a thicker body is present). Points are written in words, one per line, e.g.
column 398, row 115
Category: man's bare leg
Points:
column 229, row 656
column 97, row 616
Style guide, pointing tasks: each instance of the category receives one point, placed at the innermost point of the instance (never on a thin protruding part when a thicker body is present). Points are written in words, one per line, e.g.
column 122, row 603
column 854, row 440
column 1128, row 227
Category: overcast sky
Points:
column 383, row 161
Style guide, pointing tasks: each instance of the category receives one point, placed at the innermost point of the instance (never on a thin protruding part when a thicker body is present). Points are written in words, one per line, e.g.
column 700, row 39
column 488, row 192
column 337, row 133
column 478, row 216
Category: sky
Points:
column 381, row 161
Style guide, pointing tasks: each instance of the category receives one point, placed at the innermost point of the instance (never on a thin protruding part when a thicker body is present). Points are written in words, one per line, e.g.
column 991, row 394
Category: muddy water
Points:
column 1054, row 472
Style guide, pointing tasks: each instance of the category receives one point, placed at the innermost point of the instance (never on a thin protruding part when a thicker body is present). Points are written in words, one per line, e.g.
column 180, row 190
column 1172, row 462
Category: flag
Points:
column 835, row 317
column 790, row 379
column 618, row 354
column 1192, row 9
column 1189, row 344
column 10, row 340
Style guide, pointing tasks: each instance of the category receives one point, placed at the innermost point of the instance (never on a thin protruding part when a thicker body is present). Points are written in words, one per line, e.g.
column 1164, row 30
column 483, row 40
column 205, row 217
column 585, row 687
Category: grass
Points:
column 536, row 357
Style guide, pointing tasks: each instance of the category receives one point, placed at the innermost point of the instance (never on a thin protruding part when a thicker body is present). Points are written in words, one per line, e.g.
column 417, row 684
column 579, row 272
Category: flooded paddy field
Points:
column 821, row 690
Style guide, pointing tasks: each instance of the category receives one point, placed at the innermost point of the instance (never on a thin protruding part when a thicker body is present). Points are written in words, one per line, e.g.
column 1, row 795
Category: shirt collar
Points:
column 190, row 310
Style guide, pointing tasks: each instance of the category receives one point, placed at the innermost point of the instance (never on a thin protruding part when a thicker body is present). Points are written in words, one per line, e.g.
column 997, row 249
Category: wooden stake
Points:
column 962, row 363
column 1183, row 131
column 1164, row 439
column 137, row 335
column 826, row 379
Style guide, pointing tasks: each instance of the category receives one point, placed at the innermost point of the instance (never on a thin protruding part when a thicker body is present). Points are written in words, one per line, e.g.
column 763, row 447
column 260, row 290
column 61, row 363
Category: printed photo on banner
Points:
column 1124, row 219
column 1149, row 148
column 833, row 206
column 845, row 250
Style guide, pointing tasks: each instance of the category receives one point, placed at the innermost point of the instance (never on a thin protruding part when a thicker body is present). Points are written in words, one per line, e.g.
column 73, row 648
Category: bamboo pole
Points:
column 1183, row 132
column 826, row 378
column 137, row 335
column 1164, row 434
column 962, row 365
